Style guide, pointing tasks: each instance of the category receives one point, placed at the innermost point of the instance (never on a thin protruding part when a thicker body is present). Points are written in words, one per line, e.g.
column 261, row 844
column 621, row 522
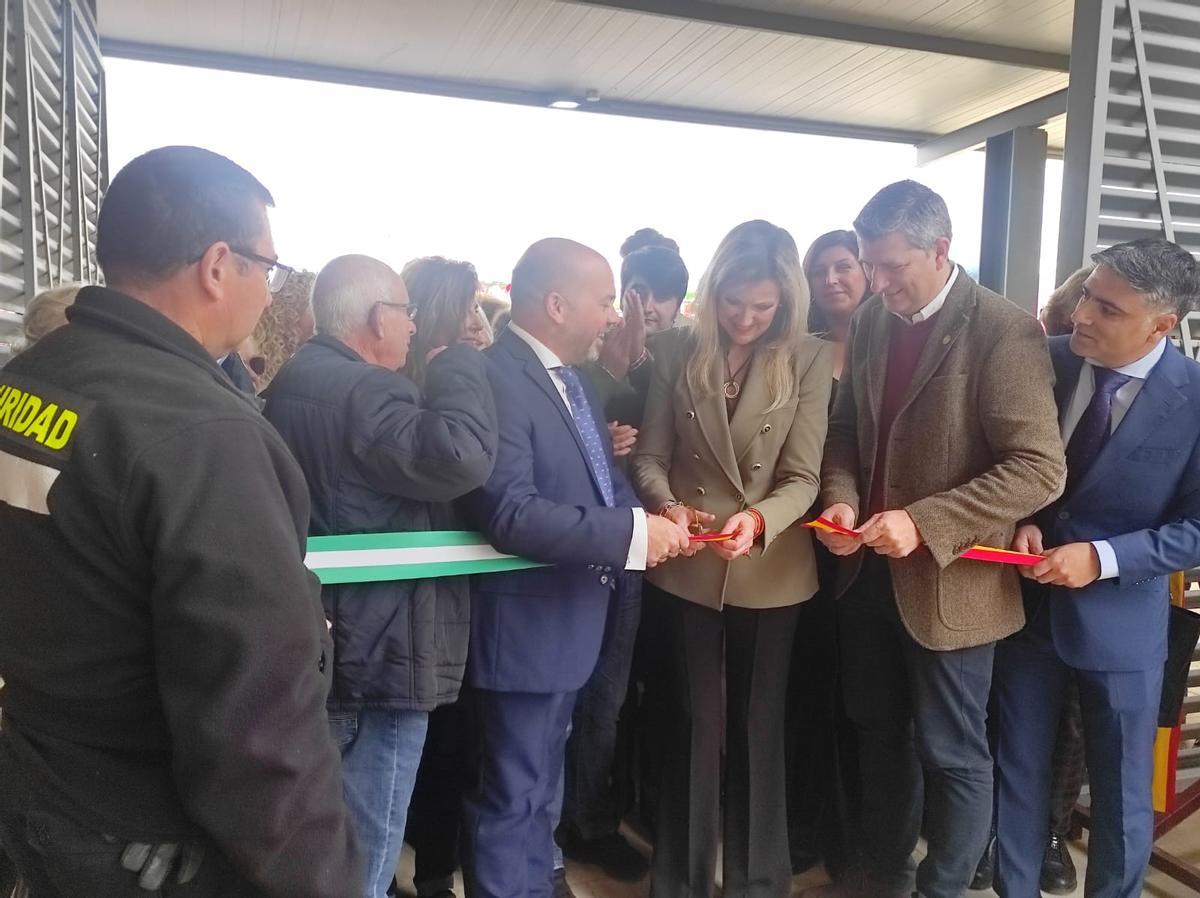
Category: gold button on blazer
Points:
column 690, row 450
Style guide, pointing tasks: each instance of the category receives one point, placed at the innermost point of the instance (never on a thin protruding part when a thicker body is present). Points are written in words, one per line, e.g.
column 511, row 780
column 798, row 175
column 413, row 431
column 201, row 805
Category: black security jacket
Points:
column 162, row 645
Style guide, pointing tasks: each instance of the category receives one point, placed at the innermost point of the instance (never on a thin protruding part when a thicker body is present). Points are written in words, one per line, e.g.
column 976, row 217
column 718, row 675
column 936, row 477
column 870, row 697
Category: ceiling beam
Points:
column 713, row 13
column 1032, row 114
column 467, row 90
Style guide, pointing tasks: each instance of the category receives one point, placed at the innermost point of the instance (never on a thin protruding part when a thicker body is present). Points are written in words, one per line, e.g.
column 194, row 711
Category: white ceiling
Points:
column 638, row 63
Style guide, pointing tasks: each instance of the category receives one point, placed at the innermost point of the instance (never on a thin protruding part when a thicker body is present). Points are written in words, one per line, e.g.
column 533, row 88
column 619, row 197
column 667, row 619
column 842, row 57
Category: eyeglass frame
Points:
column 272, row 265
column 410, row 308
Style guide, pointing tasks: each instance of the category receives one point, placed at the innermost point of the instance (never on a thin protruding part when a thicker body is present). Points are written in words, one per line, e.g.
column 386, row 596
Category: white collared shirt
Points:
column 639, row 545
column 1123, row 398
column 935, row 305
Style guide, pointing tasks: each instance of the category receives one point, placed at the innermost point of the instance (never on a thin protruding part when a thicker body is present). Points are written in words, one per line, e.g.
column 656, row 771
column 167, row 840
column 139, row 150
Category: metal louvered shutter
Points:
column 53, row 162
column 1133, row 131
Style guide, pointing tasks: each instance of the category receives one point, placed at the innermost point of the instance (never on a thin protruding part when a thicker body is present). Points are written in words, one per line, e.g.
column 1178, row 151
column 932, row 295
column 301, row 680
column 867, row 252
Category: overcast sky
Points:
column 404, row 175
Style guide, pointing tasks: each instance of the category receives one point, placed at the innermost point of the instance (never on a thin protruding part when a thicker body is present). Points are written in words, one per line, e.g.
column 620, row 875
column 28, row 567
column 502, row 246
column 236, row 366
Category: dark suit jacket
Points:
column 540, row 630
column 1142, row 494
column 974, row 449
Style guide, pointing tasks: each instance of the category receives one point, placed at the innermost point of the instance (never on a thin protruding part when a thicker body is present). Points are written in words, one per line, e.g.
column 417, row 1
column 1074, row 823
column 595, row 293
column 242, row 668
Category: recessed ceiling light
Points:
column 564, row 104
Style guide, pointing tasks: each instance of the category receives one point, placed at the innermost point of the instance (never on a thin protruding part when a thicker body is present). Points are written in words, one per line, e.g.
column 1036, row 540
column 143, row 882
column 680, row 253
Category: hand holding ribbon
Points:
column 827, row 528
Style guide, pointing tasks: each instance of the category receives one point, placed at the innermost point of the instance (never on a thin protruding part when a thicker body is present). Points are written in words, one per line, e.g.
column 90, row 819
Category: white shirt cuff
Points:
column 639, row 546
column 1109, row 568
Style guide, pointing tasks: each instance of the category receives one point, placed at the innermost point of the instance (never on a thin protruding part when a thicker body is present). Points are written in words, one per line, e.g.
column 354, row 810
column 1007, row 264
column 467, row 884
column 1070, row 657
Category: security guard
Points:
column 163, row 649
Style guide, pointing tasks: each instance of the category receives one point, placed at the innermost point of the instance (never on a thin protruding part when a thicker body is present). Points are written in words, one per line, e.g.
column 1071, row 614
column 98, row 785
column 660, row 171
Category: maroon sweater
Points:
column 905, row 345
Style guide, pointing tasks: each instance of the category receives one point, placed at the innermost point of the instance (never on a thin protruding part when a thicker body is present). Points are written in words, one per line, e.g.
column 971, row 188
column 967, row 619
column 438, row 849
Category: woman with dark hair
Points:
column 733, row 433
column 657, row 275
column 819, row 809
column 644, row 237
column 838, row 284
column 443, row 292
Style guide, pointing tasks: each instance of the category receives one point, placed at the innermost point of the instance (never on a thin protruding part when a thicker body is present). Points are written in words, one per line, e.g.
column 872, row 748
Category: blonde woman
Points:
column 732, row 436
column 47, row 312
column 285, row 325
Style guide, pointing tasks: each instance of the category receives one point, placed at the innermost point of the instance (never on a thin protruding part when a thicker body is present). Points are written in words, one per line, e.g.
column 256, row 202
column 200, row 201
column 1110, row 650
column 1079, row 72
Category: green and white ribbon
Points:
column 375, row 557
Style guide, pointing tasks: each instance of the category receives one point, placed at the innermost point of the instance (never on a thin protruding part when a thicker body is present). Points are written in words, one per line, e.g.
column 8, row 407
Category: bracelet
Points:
column 760, row 523
column 668, row 505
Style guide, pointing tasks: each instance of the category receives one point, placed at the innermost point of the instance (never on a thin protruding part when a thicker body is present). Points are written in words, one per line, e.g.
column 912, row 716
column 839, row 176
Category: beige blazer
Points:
column 690, row 450
column 974, row 449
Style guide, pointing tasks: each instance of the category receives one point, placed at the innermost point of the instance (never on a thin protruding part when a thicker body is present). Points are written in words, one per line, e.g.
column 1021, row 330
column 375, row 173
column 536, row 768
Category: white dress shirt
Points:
column 935, row 305
column 1122, row 400
column 639, row 546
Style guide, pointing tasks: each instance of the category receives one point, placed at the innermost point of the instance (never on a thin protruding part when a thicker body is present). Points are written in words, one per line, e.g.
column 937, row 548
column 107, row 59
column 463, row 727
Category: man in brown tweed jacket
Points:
column 944, row 436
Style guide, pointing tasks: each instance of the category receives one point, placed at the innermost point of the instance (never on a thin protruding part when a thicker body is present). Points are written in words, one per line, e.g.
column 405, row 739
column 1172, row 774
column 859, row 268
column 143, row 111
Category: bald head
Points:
column 346, row 290
column 552, row 265
column 359, row 300
column 563, row 293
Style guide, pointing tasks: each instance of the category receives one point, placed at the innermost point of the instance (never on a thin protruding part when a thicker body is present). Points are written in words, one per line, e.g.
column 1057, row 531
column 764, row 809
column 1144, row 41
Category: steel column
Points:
column 1013, row 194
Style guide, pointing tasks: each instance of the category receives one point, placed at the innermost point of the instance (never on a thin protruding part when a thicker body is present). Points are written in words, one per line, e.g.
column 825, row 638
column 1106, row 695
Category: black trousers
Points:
column 8, row 876
column 921, row 722
column 753, row 649
column 56, row 857
column 821, row 761
column 447, row 772
column 652, row 700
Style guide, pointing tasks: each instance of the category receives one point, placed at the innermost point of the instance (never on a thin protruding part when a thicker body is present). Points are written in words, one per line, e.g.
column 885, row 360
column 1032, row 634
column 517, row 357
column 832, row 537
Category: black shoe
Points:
column 559, row 887
column 612, row 854
column 986, row 871
column 1058, row 870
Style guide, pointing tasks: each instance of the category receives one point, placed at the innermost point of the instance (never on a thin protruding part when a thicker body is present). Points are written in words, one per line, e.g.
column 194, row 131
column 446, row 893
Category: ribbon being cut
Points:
column 372, row 557
column 975, row 553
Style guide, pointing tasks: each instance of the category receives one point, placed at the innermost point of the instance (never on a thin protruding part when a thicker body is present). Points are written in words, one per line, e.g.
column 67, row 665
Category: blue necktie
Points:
column 581, row 411
column 1093, row 428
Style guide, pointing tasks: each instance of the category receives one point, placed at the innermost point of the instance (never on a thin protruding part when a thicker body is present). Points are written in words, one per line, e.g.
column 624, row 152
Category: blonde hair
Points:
column 277, row 334
column 47, row 312
column 1056, row 314
column 444, row 293
column 753, row 251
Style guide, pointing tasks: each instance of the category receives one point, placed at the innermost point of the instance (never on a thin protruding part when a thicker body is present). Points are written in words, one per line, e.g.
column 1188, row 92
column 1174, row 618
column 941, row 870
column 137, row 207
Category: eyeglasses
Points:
column 277, row 272
column 409, row 308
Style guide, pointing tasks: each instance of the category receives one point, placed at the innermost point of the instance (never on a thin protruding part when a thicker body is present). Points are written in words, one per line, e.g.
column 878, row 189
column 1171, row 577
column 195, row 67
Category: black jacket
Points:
column 162, row 645
column 379, row 458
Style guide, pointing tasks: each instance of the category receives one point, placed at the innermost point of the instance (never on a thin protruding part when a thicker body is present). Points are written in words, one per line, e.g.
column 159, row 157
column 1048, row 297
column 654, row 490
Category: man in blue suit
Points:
column 554, row 497
column 1129, row 408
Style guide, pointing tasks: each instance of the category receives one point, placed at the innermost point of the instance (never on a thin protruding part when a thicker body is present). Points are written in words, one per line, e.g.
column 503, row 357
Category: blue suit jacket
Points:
column 540, row 630
column 1142, row 494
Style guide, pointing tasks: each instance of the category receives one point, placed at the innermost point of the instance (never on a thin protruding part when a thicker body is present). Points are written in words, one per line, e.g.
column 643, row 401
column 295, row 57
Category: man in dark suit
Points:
column 1129, row 408
column 554, row 497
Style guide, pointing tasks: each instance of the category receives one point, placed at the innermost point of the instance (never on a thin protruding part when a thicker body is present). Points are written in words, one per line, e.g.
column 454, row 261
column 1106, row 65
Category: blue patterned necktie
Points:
column 585, row 424
column 1093, row 428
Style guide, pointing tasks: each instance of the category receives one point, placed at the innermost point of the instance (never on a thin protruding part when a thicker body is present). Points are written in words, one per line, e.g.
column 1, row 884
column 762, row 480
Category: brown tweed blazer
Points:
column 974, row 449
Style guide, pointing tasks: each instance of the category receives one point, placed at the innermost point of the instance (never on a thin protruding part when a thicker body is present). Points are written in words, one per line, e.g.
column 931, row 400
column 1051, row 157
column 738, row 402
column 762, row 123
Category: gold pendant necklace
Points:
column 732, row 388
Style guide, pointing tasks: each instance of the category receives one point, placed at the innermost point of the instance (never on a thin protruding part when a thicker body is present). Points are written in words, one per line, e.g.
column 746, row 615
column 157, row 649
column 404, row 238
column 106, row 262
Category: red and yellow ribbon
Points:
column 975, row 553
